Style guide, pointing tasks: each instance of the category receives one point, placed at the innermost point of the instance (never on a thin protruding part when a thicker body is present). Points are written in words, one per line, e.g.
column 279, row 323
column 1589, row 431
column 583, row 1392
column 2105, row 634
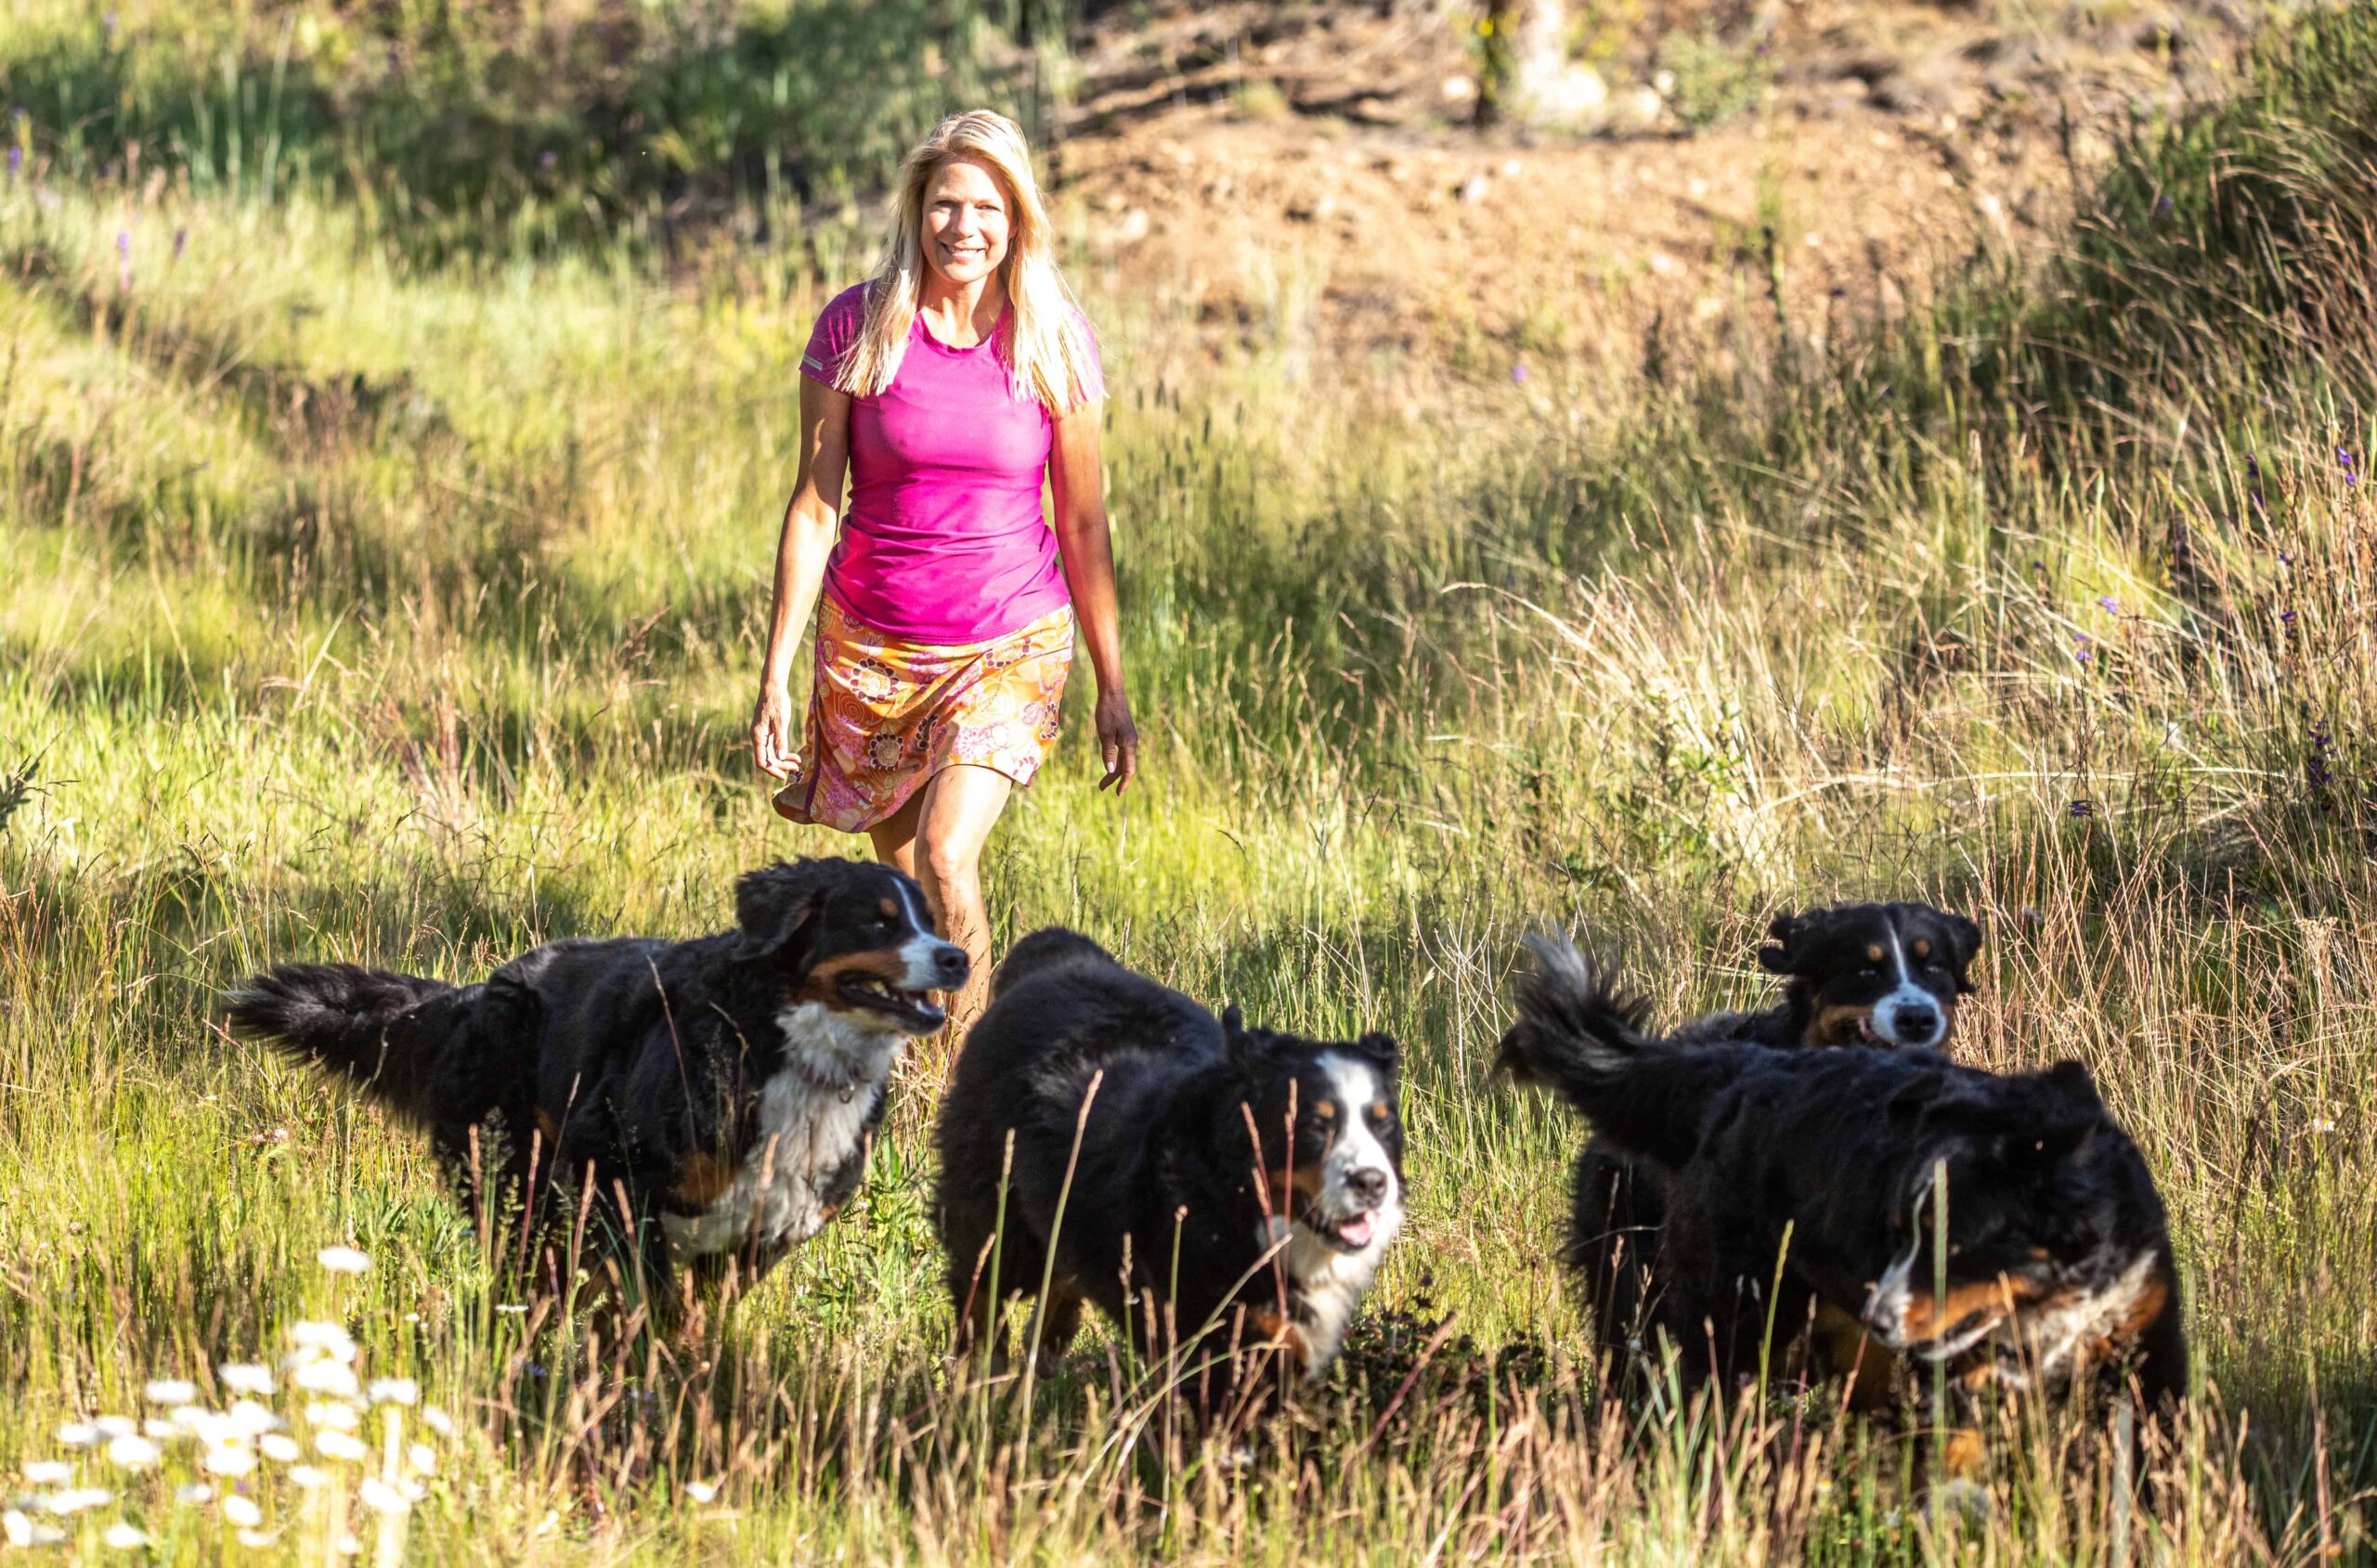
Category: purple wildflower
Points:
column 108, row 21
column 2343, row 456
column 181, row 242
column 546, row 161
column 123, row 241
column 2083, row 807
column 16, row 161
column 2109, row 603
column 2286, row 618
column 1518, row 373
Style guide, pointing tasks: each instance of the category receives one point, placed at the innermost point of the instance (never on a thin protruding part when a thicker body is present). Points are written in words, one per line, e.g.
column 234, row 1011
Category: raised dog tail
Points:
column 1047, row 949
column 1582, row 1037
column 1577, row 1034
column 366, row 1025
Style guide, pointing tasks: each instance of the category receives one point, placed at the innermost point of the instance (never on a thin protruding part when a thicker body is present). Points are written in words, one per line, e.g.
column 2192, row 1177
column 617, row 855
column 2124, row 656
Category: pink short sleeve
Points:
column 838, row 328
column 1094, row 383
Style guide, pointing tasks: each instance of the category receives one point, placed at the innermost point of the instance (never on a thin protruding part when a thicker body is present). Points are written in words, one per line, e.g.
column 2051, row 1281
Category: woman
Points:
column 946, row 388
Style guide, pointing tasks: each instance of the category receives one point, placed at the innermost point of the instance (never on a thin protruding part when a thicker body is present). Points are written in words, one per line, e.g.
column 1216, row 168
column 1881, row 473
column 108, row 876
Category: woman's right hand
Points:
column 771, row 734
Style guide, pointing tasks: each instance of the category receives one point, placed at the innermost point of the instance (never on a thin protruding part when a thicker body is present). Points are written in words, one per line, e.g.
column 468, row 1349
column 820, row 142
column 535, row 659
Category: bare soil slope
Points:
column 1271, row 169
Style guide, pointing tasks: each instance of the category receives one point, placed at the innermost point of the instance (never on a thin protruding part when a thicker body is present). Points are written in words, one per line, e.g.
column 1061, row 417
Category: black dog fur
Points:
column 1170, row 1217
column 715, row 1096
column 2060, row 1261
column 1836, row 966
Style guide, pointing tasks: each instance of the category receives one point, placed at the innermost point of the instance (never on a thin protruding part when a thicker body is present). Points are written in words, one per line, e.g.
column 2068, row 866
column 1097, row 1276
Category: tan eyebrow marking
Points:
column 1922, row 947
column 1326, row 1110
column 1874, row 954
column 890, row 909
column 1377, row 1107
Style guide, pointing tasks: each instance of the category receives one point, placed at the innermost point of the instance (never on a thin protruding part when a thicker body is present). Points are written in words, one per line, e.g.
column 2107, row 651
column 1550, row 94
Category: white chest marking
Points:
column 805, row 1132
column 1332, row 1281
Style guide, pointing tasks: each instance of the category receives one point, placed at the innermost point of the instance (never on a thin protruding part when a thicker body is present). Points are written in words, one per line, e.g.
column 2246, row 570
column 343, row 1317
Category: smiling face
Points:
column 1883, row 975
column 968, row 220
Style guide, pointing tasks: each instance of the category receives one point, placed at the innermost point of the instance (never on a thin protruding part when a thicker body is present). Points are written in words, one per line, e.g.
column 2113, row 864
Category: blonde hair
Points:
column 1046, row 348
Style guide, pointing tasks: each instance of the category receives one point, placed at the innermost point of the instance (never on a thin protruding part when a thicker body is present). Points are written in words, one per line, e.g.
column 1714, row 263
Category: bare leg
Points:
column 895, row 835
column 960, row 807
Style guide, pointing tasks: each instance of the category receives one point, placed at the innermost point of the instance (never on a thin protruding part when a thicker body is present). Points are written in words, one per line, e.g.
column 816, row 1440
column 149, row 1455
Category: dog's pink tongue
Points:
column 1356, row 1232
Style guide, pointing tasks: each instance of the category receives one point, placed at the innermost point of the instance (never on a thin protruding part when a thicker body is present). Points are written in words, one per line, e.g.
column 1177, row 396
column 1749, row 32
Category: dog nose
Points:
column 952, row 964
column 1915, row 1025
column 1368, row 1185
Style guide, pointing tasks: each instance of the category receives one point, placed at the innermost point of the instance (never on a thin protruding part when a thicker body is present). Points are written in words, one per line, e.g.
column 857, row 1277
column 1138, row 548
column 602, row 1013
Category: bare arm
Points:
column 1077, row 484
column 809, row 523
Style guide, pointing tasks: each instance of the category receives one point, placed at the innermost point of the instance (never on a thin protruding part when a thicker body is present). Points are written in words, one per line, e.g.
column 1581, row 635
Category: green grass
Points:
column 374, row 606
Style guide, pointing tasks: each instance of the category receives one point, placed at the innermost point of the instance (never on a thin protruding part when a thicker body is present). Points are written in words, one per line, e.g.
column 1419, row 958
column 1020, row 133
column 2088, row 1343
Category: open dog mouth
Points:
column 1871, row 1036
column 914, row 1010
column 1346, row 1233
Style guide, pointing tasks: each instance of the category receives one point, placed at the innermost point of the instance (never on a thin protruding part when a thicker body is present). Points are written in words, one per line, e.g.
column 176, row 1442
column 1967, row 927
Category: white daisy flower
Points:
column 126, row 1536
column 344, row 1260
column 327, row 1377
column 437, row 1421
column 422, row 1458
column 340, row 1446
column 332, row 1338
column 116, row 1426
column 701, row 1491
column 256, row 1539
column 381, row 1498
column 78, row 1435
column 134, row 1451
column 16, row 1529
column 229, row 1459
column 75, row 1501
column 49, row 1472
column 158, row 1432
column 246, row 1377
column 169, row 1390
column 242, row 1510
column 279, row 1448
column 394, row 1390
column 343, row 1416
column 196, row 1495
column 248, row 1419
column 309, row 1478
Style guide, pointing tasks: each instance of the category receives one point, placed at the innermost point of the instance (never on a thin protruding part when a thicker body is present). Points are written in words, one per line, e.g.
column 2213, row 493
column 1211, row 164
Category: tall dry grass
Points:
column 369, row 608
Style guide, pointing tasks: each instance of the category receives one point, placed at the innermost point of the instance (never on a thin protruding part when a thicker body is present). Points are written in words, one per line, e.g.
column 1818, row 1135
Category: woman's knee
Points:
column 954, row 869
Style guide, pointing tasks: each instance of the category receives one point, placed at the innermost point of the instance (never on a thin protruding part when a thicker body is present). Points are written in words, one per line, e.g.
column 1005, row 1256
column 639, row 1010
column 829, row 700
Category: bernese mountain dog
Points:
column 1881, row 975
column 716, row 1098
column 1806, row 1185
column 1212, row 1187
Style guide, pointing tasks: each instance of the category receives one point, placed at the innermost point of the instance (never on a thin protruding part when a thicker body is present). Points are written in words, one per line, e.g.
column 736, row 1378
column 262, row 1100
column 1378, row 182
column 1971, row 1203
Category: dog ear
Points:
column 1243, row 1047
column 1964, row 946
column 1380, row 1050
column 2070, row 1079
column 776, row 906
column 1783, row 957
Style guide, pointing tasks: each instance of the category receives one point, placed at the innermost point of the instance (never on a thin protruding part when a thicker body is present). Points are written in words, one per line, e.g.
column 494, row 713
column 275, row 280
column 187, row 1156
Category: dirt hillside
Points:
column 1316, row 167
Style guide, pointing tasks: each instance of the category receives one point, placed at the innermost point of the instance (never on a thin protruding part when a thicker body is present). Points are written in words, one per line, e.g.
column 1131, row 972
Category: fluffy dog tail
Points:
column 366, row 1025
column 1047, row 949
column 1581, row 1036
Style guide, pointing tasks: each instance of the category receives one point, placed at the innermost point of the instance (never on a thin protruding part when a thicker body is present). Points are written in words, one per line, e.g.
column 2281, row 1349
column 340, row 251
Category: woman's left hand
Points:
column 1118, row 739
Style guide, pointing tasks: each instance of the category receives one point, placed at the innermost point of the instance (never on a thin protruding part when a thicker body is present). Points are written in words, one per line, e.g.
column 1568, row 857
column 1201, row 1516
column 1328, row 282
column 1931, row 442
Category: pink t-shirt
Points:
column 944, row 540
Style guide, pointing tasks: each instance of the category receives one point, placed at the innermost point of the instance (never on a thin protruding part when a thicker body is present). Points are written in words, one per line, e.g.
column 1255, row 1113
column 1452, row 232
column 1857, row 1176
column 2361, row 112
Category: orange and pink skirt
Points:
column 885, row 715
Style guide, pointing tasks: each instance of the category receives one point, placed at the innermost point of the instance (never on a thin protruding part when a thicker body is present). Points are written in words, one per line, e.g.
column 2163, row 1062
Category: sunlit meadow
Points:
column 386, row 539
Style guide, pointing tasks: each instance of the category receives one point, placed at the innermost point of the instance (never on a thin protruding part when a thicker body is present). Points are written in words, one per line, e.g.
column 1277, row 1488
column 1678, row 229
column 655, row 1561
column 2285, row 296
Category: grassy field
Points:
column 386, row 541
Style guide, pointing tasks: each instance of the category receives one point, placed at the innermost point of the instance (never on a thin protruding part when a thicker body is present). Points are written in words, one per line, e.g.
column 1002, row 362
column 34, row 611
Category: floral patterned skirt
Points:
column 885, row 715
